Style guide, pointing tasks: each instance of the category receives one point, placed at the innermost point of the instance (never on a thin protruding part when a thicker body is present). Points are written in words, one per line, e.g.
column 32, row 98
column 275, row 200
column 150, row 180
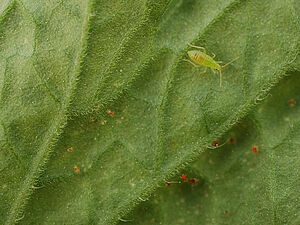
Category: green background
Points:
column 65, row 64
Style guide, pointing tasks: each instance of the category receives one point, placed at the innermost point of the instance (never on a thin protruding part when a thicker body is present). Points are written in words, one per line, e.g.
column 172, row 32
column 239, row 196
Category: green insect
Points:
column 202, row 59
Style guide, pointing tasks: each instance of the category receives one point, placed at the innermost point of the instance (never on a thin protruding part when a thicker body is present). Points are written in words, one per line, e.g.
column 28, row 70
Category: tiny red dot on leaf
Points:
column 292, row 102
column 232, row 140
column 192, row 181
column 77, row 170
column 254, row 149
column 183, row 177
column 70, row 149
column 227, row 212
column 110, row 112
column 216, row 143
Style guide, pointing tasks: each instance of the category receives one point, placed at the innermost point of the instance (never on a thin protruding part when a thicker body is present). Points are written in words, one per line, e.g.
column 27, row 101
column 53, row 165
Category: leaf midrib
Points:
column 55, row 130
column 117, row 56
column 170, row 172
column 60, row 122
column 229, row 123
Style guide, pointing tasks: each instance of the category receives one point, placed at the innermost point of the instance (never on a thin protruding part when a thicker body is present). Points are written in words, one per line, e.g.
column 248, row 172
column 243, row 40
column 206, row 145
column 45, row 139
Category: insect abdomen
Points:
column 197, row 57
column 203, row 59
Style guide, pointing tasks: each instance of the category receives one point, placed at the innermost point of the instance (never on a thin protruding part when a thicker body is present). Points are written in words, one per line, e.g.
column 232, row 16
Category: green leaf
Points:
column 120, row 44
column 39, row 63
column 65, row 64
column 234, row 185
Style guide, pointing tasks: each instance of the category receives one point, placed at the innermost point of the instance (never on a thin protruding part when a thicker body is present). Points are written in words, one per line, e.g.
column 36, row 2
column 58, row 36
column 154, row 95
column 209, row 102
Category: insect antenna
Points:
column 230, row 62
column 224, row 66
column 220, row 78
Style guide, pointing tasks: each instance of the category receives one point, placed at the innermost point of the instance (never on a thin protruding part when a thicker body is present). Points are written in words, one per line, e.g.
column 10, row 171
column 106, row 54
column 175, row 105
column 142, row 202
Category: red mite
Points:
column 110, row 112
column 292, row 102
column 216, row 143
column 254, row 149
column 192, row 181
column 183, row 177
column 77, row 170
column 232, row 140
column 70, row 149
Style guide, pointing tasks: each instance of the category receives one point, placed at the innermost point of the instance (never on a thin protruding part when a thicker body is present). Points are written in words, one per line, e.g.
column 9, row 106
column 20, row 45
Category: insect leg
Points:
column 204, row 71
column 220, row 78
column 213, row 70
column 122, row 220
column 195, row 65
column 194, row 46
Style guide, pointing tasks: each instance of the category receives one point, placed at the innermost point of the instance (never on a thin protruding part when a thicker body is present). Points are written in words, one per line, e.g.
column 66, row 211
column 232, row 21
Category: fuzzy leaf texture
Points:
column 98, row 110
column 233, row 184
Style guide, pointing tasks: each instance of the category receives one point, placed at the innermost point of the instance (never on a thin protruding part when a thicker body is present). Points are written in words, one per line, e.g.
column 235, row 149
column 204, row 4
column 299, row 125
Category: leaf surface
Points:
column 39, row 60
column 234, row 185
column 138, row 113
